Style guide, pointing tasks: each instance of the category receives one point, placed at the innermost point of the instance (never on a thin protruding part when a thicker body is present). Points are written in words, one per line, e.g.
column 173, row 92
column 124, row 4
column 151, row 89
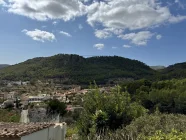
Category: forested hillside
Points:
column 76, row 69
column 174, row 71
column 140, row 109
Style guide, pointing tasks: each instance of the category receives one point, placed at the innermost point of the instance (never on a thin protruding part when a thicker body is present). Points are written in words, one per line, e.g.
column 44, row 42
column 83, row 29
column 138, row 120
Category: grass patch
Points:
column 7, row 115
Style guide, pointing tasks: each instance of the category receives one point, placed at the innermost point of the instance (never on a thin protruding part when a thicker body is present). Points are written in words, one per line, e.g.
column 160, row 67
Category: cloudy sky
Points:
column 152, row 31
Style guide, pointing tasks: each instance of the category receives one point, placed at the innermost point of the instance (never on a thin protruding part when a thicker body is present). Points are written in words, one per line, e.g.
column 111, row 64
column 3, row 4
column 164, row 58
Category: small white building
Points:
column 32, row 131
column 35, row 99
column 39, row 98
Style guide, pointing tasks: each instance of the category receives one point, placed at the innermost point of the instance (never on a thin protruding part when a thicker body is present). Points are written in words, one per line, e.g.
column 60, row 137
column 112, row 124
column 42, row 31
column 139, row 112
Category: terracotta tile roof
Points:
column 20, row 129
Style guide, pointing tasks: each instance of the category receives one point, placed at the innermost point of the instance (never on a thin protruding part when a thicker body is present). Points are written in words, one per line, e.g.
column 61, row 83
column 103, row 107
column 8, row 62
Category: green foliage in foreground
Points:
column 148, row 127
column 71, row 130
column 107, row 111
column 169, row 96
column 159, row 135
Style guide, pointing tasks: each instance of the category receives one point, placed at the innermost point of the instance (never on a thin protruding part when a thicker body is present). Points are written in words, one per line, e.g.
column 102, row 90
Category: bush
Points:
column 149, row 127
column 55, row 106
column 149, row 124
column 159, row 135
column 71, row 130
column 107, row 111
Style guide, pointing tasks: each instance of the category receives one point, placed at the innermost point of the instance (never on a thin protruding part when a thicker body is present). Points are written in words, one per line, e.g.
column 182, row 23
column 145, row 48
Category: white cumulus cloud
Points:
column 85, row 0
column 39, row 35
column 113, row 17
column 107, row 32
column 47, row 9
column 127, row 46
column 158, row 37
column 129, row 14
column 2, row 2
column 177, row 19
column 99, row 46
column 65, row 33
column 139, row 39
column 102, row 34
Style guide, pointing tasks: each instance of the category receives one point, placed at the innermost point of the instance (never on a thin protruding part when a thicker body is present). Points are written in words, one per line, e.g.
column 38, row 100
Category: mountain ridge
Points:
column 77, row 69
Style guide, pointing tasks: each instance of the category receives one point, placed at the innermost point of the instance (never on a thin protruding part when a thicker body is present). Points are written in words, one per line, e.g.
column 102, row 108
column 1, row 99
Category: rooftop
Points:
column 20, row 129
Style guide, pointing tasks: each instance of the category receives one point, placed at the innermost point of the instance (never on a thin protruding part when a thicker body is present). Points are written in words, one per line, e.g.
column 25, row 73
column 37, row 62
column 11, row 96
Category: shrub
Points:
column 149, row 127
column 107, row 111
column 159, row 135
column 55, row 106
column 149, row 124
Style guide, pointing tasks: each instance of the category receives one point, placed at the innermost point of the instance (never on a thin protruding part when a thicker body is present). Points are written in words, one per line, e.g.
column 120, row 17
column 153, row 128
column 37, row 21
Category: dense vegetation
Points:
column 139, row 109
column 150, row 108
column 70, row 69
column 174, row 71
column 169, row 95
column 74, row 69
column 107, row 111
column 55, row 106
column 150, row 127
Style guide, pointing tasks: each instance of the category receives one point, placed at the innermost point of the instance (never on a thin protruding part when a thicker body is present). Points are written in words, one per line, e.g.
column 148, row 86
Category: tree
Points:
column 55, row 106
column 8, row 104
column 107, row 111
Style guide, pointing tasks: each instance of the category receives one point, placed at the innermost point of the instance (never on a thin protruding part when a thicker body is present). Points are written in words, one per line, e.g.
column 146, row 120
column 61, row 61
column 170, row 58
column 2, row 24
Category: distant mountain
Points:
column 3, row 66
column 157, row 67
column 174, row 71
column 74, row 69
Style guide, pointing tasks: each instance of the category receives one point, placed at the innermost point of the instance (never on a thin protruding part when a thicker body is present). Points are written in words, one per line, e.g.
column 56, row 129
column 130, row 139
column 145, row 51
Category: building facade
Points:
column 32, row 131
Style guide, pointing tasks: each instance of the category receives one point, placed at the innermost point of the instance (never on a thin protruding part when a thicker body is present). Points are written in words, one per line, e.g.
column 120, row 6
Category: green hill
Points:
column 174, row 71
column 77, row 69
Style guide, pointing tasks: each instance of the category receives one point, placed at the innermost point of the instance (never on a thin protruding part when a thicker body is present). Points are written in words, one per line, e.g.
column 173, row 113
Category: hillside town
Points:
column 28, row 102
column 14, row 94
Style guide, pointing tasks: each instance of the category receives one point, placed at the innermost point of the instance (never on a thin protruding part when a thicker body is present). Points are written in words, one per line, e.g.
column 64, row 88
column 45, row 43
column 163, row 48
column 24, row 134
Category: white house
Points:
column 39, row 98
column 32, row 131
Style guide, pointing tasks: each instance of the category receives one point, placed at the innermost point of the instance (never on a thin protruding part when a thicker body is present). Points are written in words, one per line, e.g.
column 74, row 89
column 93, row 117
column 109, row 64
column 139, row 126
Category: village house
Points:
column 39, row 98
column 35, row 99
column 11, row 95
column 32, row 131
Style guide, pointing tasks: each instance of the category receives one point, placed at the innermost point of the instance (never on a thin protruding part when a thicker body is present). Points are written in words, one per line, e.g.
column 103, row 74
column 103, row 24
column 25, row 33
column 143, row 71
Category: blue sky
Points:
column 151, row 31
